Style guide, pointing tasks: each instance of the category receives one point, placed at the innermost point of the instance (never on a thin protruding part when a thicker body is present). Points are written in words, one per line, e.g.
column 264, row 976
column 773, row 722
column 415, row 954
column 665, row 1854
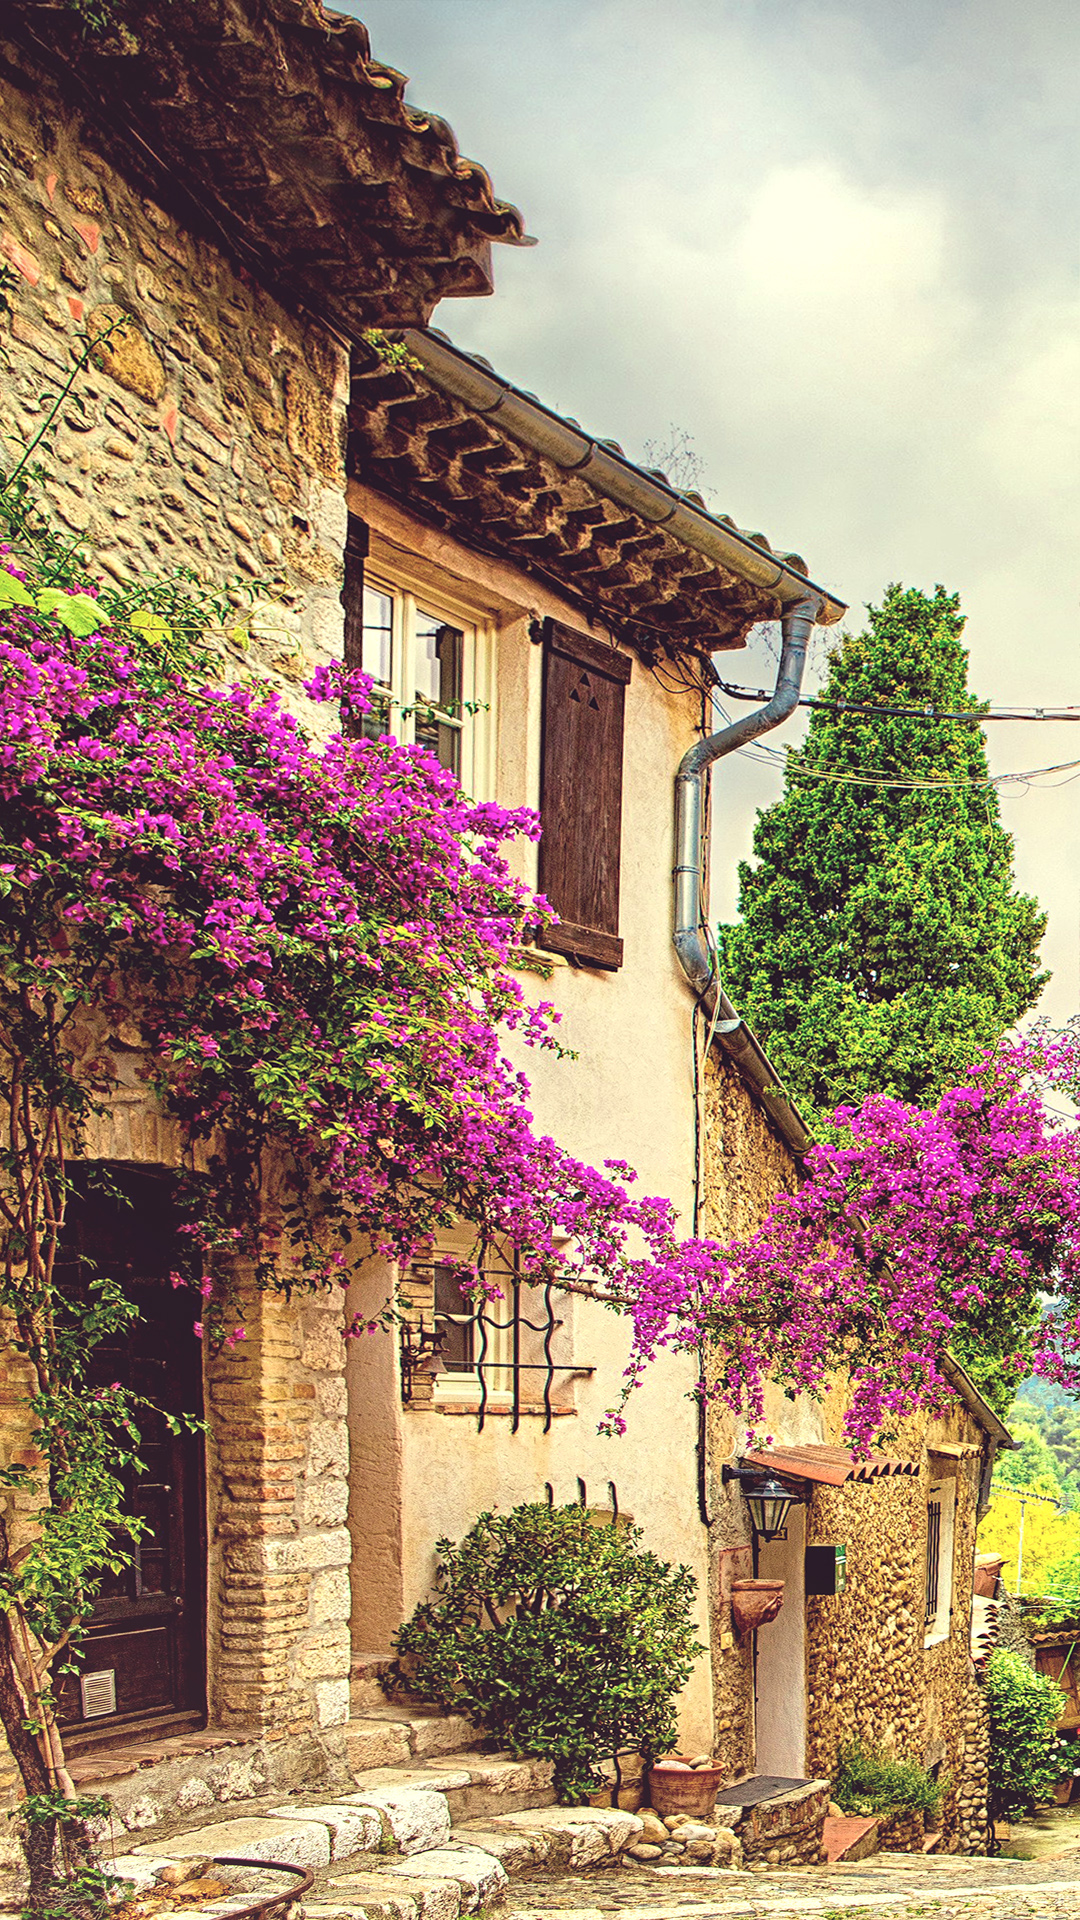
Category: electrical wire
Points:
column 878, row 777
column 1030, row 715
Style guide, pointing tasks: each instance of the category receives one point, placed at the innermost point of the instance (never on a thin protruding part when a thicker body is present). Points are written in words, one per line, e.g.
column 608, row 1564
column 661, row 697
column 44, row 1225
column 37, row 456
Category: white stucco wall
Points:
column 628, row 1095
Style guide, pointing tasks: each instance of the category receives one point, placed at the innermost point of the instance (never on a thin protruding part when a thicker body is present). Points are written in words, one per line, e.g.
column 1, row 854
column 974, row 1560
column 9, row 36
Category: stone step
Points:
column 556, row 1839
column 391, row 1736
column 369, row 1680
column 402, row 1858
column 850, row 1837
column 476, row 1786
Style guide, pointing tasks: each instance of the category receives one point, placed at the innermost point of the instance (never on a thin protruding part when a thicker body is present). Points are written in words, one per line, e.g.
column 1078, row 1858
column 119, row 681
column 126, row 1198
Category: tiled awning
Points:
column 830, row 1466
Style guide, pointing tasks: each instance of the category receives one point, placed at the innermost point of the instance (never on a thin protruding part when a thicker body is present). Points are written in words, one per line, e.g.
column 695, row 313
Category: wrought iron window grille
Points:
column 933, row 1558
column 473, row 1336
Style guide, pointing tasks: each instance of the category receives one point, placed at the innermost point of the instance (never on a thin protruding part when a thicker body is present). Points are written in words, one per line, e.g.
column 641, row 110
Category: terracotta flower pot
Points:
column 684, row 1790
column 755, row 1602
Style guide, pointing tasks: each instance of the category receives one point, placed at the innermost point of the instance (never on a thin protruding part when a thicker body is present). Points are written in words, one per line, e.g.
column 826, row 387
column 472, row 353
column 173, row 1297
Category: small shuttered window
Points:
column 581, row 794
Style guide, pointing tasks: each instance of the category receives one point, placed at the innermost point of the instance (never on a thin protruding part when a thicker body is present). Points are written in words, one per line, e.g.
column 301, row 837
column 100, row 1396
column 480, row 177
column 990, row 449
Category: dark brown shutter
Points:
column 581, row 794
column 352, row 599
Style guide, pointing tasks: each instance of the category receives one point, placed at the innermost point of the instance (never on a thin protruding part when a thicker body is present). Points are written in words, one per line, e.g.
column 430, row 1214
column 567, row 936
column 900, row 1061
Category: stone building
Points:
column 246, row 191
column 873, row 1640
column 231, row 202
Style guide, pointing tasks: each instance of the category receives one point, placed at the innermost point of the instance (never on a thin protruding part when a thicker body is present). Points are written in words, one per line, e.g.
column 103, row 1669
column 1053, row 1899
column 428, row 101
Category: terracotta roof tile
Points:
column 830, row 1466
column 275, row 118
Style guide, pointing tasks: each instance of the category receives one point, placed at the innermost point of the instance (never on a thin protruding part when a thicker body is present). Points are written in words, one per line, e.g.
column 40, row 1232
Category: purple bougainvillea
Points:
column 316, row 946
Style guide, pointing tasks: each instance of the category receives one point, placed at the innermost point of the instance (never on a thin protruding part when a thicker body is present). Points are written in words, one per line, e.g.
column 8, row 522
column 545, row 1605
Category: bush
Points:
column 868, row 1781
column 560, row 1637
column 1025, row 1751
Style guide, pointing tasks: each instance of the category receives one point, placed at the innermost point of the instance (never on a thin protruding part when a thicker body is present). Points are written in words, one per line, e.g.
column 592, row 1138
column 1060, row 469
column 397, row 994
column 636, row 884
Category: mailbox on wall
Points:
column 826, row 1569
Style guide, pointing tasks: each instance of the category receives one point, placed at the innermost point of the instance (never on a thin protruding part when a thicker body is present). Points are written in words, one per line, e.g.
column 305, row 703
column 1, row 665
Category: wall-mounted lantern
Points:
column 768, row 1499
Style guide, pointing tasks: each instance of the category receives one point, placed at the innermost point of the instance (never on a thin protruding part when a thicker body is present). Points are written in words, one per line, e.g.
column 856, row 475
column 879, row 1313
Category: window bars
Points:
column 489, row 1339
column 933, row 1557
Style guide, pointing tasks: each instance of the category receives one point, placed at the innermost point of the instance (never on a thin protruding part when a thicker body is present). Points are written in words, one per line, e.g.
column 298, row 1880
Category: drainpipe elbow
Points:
column 796, row 627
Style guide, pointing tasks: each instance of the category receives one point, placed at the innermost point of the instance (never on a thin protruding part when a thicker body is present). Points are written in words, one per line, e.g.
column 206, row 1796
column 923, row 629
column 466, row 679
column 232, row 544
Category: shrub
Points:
column 560, row 1637
column 868, row 1781
column 1025, row 1751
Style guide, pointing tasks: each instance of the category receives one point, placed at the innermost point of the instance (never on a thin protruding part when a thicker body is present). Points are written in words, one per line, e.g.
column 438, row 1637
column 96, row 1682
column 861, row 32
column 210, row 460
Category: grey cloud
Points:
column 838, row 245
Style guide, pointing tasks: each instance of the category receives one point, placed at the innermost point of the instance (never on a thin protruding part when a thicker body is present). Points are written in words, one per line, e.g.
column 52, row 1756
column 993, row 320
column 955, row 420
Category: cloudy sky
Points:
column 838, row 245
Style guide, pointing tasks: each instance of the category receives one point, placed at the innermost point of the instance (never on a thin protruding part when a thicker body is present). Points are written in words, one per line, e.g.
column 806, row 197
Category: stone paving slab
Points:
column 896, row 1887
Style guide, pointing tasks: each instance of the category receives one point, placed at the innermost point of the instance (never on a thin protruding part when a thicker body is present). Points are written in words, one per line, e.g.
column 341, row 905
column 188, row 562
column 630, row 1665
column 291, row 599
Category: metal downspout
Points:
column 796, row 626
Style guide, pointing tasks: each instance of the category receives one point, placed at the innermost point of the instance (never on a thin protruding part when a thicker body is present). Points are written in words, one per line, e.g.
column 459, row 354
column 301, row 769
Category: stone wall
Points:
column 786, row 1831
column 210, row 434
column 277, row 1487
column 869, row 1675
column 279, row 1645
column 207, row 432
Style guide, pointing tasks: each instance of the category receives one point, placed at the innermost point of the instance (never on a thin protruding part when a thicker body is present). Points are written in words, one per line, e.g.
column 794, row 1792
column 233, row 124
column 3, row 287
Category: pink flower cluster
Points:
column 316, row 946
column 922, row 1224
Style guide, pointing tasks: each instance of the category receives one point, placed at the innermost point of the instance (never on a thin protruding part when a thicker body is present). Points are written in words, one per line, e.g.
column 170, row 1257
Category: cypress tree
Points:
column 883, row 943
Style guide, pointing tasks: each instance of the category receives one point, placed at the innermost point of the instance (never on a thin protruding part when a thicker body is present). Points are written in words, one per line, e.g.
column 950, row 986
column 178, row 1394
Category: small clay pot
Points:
column 755, row 1602
column 691, row 1790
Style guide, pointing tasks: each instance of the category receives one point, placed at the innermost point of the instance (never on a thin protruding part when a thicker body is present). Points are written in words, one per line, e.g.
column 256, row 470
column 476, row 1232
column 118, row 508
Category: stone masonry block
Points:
column 324, row 1656
column 328, row 1447
column 481, row 1877
column 304, row 1843
column 377, row 1743
column 332, row 1397
column 324, row 1344
column 332, row 1702
column 331, row 1596
column 286, row 1553
column 417, row 1818
column 353, row 1829
column 323, row 1503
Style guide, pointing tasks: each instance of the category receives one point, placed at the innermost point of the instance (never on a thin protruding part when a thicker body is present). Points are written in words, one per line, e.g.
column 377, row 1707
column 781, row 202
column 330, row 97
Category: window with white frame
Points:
column 940, row 1540
column 431, row 660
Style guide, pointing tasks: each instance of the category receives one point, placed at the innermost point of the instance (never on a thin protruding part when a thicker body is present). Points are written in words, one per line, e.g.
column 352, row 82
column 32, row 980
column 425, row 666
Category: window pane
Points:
column 454, row 1320
column 438, row 663
column 438, row 686
column 378, row 635
column 378, row 658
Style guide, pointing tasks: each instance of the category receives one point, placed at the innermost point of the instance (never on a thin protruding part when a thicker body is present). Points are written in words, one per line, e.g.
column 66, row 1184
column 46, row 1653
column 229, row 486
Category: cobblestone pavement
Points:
column 886, row 1887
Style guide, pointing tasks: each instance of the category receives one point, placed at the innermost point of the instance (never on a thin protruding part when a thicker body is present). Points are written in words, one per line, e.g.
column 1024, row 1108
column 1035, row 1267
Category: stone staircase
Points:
column 430, row 1825
column 423, row 1843
column 410, row 1817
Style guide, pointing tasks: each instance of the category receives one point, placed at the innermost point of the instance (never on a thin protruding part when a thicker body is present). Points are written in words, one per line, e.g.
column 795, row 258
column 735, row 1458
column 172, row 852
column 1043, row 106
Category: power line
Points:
column 975, row 718
column 875, row 777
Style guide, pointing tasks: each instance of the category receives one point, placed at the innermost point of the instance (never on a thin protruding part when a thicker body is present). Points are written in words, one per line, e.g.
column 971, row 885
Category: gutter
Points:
column 612, row 475
column 965, row 1389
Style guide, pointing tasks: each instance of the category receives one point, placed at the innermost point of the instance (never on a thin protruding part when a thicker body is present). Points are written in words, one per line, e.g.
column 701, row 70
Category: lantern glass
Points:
column 770, row 1503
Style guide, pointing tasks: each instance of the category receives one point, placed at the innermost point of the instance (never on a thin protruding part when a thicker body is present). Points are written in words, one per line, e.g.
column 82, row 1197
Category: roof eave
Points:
column 965, row 1389
column 608, row 471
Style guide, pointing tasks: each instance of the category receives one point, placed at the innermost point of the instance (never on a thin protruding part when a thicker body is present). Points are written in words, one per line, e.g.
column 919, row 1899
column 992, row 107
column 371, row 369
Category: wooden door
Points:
column 143, row 1657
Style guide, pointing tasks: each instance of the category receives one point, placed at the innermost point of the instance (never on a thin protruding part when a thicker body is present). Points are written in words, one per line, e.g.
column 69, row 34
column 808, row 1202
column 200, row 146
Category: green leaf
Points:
column 151, row 627
column 12, row 592
column 75, row 611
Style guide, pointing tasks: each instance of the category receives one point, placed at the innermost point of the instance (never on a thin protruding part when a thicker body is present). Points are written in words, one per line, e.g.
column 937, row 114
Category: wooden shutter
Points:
column 581, row 794
column 352, row 598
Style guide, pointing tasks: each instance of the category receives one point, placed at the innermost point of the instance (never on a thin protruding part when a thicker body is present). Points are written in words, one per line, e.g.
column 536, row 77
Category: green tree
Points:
column 1032, row 1466
column 883, row 943
column 1026, row 1757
